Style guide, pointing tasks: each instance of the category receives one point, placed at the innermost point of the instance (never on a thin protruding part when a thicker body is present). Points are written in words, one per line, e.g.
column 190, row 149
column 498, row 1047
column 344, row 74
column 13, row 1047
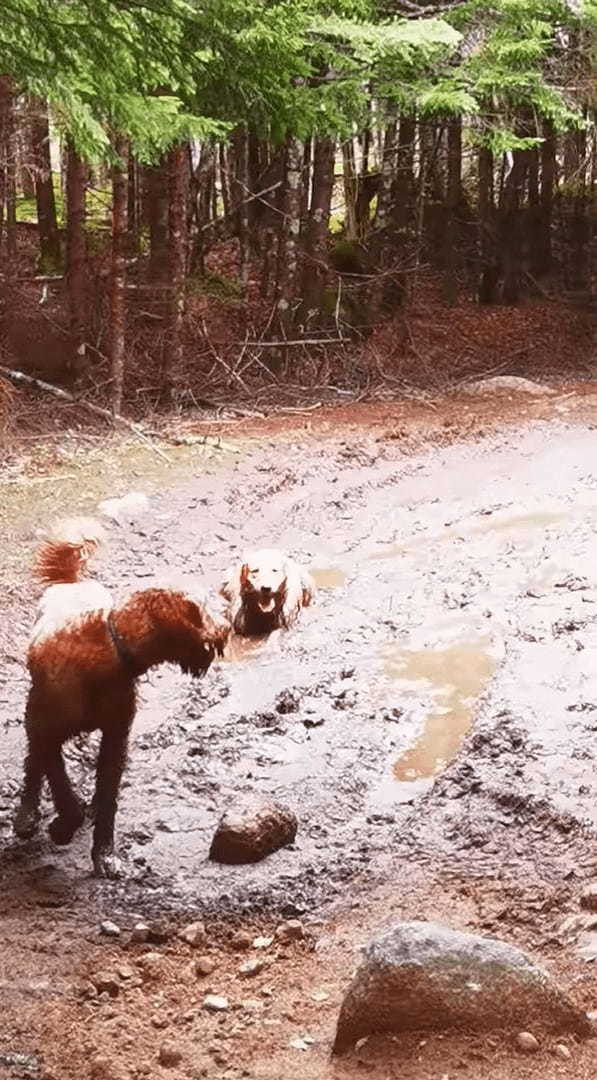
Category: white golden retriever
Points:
column 266, row 592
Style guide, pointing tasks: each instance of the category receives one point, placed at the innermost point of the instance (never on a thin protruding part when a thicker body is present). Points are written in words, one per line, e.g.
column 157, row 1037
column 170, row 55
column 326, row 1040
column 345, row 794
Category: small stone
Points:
column 169, row 1055
column 158, row 933
column 291, row 930
column 215, row 1003
column 160, row 1022
column 194, row 934
column 241, row 940
column 320, row 995
column 110, row 929
column 251, row 967
column 204, row 965
column 262, row 942
column 140, row 932
column 562, row 1051
column 126, row 973
column 252, row 1005
column 106, row 982
column 299, row 1044
column 588, row 899
column 527, row 1042
column 151, row 965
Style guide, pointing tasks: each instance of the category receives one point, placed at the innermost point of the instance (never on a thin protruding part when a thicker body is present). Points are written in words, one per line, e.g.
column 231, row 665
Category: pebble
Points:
column 262, row 942
column 214, row 1003
column 169, row 1055
column 126, row 972
column 110, row 929
column 160, row 1022
column 562, row 1051
column 194, row 934
column 158, row 933
column 252, row 1005
column 588, row 899
column 151, row 965
column 527, row 1042
column 241, row 940
column 251, row 967
column 106, row 982
column 204, row 965
column 140, row 932
column 290, row 930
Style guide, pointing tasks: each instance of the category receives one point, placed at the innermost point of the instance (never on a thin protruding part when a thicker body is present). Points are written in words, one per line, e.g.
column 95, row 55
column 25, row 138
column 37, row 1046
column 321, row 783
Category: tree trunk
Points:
column 388, row 177
column 488, row 262
column 47, row 223
column 179, row 177
column 76, row 178
column 225, row 179
column 453, row 200
column 543, row 257
column 350, row 190
column 511, row 239
column 203, row 184
column 118, row 273
column 316, row 233
column 405, row 181
column 240, row 193
column 288, row 266
column 133, row 210
column 157, row 204
column 8, row 152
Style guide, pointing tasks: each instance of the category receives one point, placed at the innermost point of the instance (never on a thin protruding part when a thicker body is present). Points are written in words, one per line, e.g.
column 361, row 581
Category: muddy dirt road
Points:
column 431, row 720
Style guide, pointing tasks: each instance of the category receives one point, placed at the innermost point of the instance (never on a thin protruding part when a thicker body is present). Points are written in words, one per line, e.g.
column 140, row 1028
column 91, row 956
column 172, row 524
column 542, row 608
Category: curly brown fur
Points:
column 84, row 659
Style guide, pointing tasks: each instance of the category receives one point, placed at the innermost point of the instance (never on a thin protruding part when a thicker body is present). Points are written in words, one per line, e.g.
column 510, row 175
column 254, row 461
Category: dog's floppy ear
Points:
column 244, row 574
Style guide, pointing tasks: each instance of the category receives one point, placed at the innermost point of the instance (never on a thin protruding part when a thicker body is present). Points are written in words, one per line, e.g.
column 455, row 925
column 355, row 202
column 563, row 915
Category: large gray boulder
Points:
column 422, row 976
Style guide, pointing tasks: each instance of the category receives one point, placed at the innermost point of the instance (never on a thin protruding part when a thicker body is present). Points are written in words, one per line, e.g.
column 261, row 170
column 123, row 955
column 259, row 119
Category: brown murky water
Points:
column 456, row 675
column 328, row 577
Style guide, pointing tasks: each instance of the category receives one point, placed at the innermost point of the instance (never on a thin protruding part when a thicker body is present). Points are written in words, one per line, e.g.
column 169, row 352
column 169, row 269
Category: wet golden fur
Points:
column 266, row 592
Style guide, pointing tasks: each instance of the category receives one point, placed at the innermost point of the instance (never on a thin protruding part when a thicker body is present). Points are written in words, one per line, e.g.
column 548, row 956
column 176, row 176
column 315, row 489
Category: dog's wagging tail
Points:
column 85, row 655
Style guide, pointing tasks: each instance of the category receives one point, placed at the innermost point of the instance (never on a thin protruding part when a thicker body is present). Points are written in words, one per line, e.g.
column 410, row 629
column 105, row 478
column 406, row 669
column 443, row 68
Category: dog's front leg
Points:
column 110, row 766
column 26, row 820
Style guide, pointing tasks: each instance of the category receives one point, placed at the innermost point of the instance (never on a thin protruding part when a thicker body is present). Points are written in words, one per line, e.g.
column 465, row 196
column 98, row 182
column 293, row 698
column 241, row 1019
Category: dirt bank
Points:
column 431, row 720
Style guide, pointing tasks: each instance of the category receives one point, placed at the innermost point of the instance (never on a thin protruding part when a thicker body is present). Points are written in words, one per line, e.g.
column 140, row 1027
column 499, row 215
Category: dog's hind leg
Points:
column 70, row 810
column 110, row 766
column 27, row 817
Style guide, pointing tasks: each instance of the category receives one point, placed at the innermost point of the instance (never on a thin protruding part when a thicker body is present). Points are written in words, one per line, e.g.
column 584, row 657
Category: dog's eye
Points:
column 253, row 571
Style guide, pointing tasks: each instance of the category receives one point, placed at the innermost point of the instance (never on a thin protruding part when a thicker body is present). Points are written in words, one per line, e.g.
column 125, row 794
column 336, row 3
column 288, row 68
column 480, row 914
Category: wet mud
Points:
column 437, row 706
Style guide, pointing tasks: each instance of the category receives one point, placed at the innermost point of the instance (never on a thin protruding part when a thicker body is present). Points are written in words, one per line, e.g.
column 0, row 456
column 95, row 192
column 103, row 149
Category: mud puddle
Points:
column 364, row 708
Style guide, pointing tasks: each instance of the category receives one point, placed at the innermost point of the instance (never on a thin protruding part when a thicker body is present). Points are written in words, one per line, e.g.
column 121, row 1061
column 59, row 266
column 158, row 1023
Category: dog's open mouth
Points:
column 266, row 603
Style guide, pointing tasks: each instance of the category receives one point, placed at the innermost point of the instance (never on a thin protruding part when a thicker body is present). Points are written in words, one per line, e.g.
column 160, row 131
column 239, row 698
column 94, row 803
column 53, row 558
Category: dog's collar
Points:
column 123, row 652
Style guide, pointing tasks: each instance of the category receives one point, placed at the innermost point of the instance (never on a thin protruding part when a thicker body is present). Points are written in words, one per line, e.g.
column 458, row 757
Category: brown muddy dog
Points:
column 85, row 656
column 266, row 592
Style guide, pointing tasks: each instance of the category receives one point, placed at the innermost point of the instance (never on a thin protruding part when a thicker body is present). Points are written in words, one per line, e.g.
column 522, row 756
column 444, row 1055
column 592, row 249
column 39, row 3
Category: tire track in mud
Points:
column 472, row 552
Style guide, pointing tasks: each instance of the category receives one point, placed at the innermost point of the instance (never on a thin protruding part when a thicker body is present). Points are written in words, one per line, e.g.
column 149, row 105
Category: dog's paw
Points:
column 107, row 865
column 26, row 823
column 62, row 830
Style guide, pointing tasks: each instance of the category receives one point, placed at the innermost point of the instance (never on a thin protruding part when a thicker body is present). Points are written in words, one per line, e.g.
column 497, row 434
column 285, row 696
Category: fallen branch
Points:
column 115, row 418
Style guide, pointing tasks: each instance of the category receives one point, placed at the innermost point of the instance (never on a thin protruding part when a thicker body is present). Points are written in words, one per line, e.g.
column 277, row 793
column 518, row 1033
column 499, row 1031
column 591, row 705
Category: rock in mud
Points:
column 106, row 982
column 424, row 976
column 194, row 934
column 291, row 930
column 526, row 1041
column 241, row 940
column 215, row 1003
column 140, row 932
column 109, row 929
column 204, row 965
column 252, row 832
column 169, row 1055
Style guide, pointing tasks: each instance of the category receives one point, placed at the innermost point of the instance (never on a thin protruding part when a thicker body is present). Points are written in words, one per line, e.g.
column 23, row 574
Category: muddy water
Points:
column 456, row 676
column 328, row 577
column 395, row 681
